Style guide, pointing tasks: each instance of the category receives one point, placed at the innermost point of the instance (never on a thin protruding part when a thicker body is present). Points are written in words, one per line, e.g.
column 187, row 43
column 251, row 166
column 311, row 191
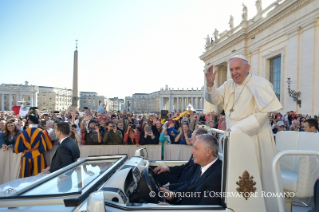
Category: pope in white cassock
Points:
column 247, row 101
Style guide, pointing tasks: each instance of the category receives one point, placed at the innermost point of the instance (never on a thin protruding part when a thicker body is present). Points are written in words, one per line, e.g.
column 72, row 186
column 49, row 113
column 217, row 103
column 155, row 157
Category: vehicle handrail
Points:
column 225, row 133
column 146, row 164
column 275, row 173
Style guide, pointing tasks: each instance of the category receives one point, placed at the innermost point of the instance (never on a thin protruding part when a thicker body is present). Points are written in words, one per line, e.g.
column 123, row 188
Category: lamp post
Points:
column 294, row 94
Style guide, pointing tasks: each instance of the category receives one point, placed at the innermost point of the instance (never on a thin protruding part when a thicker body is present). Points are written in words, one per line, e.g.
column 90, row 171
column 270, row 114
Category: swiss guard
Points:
column 33, row 142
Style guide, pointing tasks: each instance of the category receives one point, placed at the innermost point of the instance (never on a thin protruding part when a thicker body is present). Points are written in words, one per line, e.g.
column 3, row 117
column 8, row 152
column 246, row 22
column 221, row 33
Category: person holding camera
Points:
column 147, row 135
column 91, row 135
column 132, row 135
column 112, row 136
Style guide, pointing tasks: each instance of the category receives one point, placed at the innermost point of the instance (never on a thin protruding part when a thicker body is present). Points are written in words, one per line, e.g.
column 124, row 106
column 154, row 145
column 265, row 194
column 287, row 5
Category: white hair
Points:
column 210, row 142
column 49, row 123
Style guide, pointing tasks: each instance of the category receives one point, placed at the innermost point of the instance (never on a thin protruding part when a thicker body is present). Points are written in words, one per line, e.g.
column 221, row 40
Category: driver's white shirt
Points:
column 207, row 166
column 63, row 139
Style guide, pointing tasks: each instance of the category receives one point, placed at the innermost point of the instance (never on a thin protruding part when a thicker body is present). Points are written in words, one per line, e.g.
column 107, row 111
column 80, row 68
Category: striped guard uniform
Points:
column 33, row 142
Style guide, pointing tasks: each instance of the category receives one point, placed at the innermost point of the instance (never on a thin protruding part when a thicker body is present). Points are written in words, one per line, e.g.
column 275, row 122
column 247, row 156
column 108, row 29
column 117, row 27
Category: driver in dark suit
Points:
column 174, row 177
column 67, row 152
column 206, row 181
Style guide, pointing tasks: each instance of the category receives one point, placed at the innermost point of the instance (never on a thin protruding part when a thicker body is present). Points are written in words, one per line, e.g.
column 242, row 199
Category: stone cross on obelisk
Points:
column 75, row 97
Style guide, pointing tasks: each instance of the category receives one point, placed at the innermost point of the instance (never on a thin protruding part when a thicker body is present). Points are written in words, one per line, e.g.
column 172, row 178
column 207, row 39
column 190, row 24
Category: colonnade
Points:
column 180, row 103
column 18, row 97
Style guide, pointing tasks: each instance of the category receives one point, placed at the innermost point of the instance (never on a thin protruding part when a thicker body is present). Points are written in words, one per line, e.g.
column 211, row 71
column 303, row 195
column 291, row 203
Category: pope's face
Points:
column 238, row 70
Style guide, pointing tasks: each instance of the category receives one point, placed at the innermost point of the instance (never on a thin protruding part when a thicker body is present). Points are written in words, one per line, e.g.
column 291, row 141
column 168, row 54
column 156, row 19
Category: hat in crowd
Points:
column 33, row 119
column 280, row 123
column 169, row 123
column 103, row 118
column 100, row 110
column 239, row 56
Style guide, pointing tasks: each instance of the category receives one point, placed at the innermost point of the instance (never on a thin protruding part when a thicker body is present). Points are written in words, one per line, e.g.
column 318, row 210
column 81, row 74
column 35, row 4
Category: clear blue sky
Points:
column 125, row 46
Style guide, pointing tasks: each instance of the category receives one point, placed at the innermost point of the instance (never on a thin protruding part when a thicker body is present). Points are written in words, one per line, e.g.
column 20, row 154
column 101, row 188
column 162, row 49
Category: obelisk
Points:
column 75, row 98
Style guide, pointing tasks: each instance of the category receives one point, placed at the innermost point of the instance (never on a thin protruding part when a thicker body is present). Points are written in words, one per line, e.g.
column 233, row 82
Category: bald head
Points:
column 295, row 123
column 197, row 132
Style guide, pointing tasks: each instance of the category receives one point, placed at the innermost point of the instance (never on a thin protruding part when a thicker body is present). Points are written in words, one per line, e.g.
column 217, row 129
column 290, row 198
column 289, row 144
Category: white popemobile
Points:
column 116, row 183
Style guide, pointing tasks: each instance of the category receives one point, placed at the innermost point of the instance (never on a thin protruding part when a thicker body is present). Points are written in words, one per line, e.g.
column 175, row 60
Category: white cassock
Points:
column 250, row 116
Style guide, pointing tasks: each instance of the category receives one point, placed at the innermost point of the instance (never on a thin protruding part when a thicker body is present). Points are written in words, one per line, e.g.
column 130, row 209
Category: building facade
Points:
column 92, row 100
column 52, row 98
column 14, row 94
column 165, row 99
column 280, row 42
column 115, row 104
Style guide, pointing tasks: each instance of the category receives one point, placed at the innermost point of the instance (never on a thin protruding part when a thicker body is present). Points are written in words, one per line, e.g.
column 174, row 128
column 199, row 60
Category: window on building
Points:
column 275, row 74
column 84, row 101
column 5, row 97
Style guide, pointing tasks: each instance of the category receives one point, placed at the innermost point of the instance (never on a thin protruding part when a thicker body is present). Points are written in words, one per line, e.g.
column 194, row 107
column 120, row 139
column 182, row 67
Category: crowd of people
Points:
column 246, row 113
column 100, row 127
column 293, row 122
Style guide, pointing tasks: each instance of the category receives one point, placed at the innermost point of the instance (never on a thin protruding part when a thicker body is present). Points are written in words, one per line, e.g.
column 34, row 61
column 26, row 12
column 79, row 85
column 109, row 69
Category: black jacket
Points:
column 156, row 132
column 184, row 172
column 67, row 153
column 206, row 184
column 148, row 139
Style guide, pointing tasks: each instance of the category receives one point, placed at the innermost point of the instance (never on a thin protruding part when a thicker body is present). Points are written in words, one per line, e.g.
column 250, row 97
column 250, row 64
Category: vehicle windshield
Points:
column 73, row 180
